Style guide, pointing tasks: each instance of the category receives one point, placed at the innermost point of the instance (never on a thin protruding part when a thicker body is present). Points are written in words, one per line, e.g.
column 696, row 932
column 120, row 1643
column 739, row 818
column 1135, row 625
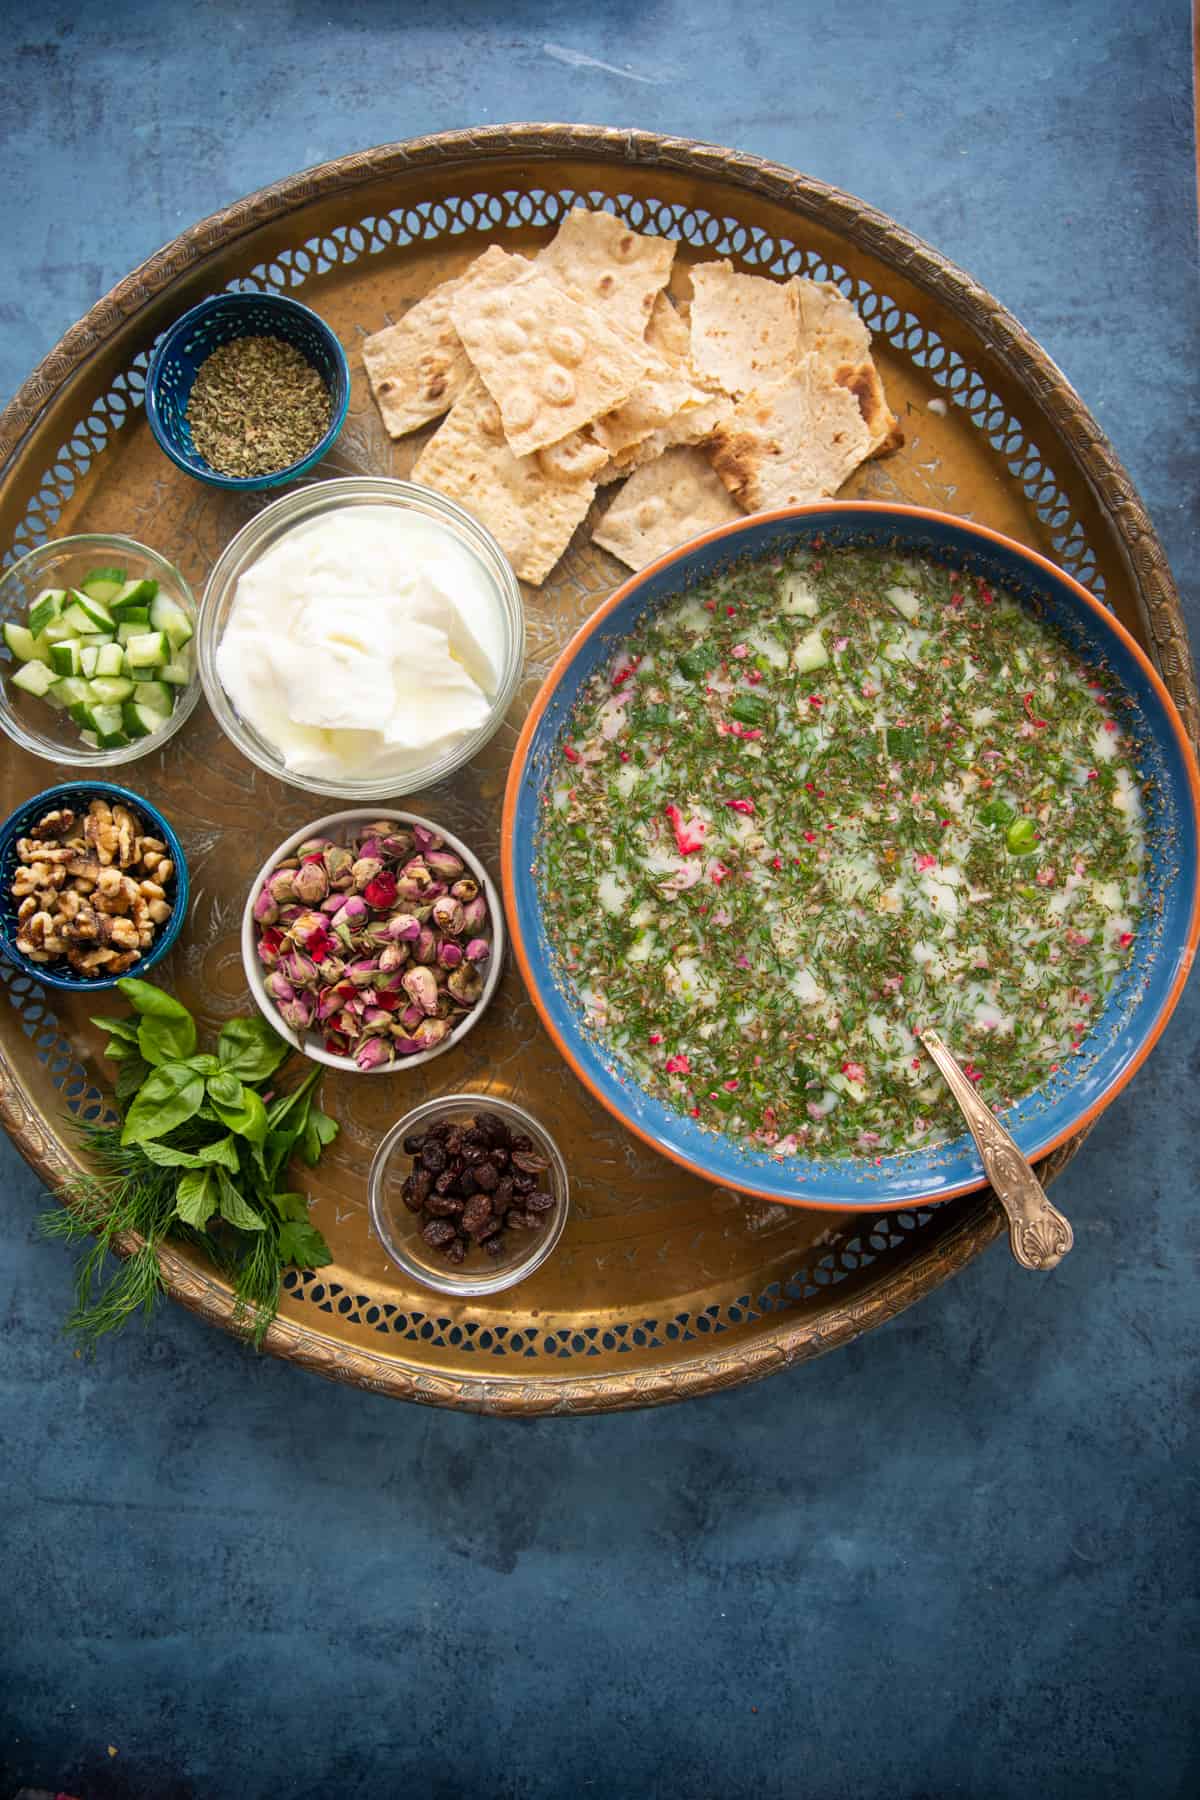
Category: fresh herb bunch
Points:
column 199, row 1157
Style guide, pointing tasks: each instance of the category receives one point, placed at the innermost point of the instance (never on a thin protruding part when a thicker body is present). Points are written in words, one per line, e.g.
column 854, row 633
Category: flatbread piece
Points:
column 531, row 514
column 792, row 442
column 605, row 264
column 745, row 329
column 665, row 503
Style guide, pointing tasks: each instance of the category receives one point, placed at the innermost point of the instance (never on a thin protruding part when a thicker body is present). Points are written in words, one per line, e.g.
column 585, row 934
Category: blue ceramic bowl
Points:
column 218, row 321
column 76, row 795
column 1137, row 1009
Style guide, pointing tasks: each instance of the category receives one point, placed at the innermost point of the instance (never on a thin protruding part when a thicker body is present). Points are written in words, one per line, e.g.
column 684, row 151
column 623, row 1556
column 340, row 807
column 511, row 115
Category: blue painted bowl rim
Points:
column 829, row 1190
column 233, row 302
column 107, row 790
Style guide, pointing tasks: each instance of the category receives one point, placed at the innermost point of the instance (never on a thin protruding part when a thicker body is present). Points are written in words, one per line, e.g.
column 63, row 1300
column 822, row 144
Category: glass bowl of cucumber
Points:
column 96, row 663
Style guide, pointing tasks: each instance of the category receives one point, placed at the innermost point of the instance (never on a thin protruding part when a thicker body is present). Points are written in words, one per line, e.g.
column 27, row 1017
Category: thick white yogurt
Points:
column 363, row 643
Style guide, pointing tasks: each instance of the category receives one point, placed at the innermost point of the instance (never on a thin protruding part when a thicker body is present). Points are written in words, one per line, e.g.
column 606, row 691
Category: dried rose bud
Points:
column 387, row 983
column 309, row 926
column 444, row 864
column 411, row 1017
column 312, row 883
column 371, row 846
column 393, row 956
column 466, row 889
column 381, row 891
column 269, row 946
column 266, row 910
column 348, row 1022
column 282, row 885
column 352, row 915
column 331, row 971
column 431, row 1032
column 421, row 989
column 415, row 880
column 448, row 915
column 332, row 904
column 278, row 986
column 337, row 862
column 365, row 869
column 403, row 928
column 362, row 971
column 478, row 950
column 372, row 1053
column 404, row 1046
column 449, row 954
column 299, row 969
column 337, row 1043
column 397, row 844
column 425, row 948
column 466, row 984
column 426, row 839
column 313, row 847
column 333, row 999
column 475, row 913
column 299, row 1012
column 376, row 1020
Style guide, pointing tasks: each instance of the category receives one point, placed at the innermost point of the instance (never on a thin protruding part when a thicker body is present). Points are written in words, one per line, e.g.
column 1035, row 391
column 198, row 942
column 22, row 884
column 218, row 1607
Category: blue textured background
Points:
column 956, row 1559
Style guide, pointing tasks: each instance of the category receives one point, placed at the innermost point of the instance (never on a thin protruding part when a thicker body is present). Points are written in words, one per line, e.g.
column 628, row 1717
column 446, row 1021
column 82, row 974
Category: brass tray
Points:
column 663, row 1286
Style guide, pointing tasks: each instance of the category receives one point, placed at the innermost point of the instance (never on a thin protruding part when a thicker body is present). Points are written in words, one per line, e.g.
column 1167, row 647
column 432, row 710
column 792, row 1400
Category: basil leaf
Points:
column 697, row 662
column 166, row 1040
column 247, row 1115
column 168, row 1097
column 225, row 1088
column 152, row 1003
column 750, row 709
column 235, row 1209
column 117, row 1028
column 130, row 1076
column 251, row 1049
column 302, row 1244
column 168, row 1156
column 196, row 1197
column 290, row 1206
column 319, row 1130
column 118, row 1050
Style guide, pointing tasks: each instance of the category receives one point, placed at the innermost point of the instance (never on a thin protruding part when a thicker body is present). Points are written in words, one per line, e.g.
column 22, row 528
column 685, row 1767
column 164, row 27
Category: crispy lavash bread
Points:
column 529, row 512
column 417, row 368
column 794, row 441
column 830, row 326
column 881, row 422
column 745, row 329
column 599, row 260
column 640, row 430
column 549, row 363
column 668, row 331
column 665, row 503
column 664, row 392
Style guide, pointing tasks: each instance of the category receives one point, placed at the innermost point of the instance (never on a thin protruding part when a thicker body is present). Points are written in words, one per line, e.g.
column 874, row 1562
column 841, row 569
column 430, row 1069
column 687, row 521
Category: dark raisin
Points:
column 438, row 1233
column 455, row 1250
column 499, row 1157
column 420, row 1181
column 485, row 1177
column 517, row 1219
column 539, row 1202
column 412, row 1145
column 433, row 1158
column 528, row 1162
column 489, row 1229
column 502, row 1197
column 477, row 1212
column 443, row 1206
column 476, row 1139
column 446, row 1180
column 524, row 1184
column 455, row 1139
column 411, row 1195
column 440, row 1131
column 521, row 1143
column 494, row 1246
column 474, row 1153
column 495, row 1127
column 467, row 1183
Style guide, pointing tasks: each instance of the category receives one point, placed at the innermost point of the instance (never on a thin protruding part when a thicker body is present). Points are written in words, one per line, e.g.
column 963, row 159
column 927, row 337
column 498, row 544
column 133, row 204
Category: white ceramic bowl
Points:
column 338, row 826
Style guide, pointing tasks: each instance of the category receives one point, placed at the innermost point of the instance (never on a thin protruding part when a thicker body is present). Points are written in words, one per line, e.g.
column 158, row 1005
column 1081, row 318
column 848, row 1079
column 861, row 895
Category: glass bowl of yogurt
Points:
column 361, row 638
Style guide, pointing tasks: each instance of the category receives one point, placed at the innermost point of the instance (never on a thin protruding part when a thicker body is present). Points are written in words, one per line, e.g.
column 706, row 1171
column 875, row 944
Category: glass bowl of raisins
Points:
column 468, row 1194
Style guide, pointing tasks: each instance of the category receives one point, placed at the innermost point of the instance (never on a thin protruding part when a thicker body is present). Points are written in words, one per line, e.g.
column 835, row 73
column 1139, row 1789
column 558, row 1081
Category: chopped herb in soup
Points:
column 815, row 804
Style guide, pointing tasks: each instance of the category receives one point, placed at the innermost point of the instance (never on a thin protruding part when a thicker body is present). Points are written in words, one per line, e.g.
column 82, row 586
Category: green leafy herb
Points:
column 198, row 1159
column 750, row 709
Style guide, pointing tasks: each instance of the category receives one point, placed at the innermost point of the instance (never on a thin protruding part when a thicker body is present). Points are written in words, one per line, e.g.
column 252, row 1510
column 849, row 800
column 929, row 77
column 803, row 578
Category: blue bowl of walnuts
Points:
column 247, row 391
column 93, row 886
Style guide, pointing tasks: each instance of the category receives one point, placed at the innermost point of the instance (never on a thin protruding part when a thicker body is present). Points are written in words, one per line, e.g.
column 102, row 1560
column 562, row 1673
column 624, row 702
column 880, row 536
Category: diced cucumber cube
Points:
column 156, row 695
column 166, row 616
column 56, row 631
column 90, row 739
column 141, row 721
column 109, row 727
column 103, row 584
column 109, row 690
column 33, row 678
column 81, row 712
column 94, row 639
column 24, row 645
column 75, row 618
column 147, row 650
column 110, row 660
column 66, row 658
column 137, row 594
column 100, row 617
column 137, row 616
column 70, row 691
column 87, row 659
column 176, row 673
column 46, row 609
column 125, row 632
column 810, row 653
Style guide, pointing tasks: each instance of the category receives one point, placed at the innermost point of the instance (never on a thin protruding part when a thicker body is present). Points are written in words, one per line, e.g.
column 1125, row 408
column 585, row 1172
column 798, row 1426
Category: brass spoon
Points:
column 1039, row 1234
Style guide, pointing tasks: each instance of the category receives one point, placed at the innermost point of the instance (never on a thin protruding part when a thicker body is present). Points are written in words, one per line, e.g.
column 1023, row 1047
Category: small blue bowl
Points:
column 76, row 795
column 1142, row 999
column 204, row 329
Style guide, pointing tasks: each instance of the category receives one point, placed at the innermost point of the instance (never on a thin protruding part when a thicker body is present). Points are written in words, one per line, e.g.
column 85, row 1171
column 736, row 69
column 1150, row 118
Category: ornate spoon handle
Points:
column 1039, row 1234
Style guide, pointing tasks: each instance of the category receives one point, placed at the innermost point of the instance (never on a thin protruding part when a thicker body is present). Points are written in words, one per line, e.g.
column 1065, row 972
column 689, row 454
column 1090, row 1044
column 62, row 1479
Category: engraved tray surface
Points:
column 663, row 1286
